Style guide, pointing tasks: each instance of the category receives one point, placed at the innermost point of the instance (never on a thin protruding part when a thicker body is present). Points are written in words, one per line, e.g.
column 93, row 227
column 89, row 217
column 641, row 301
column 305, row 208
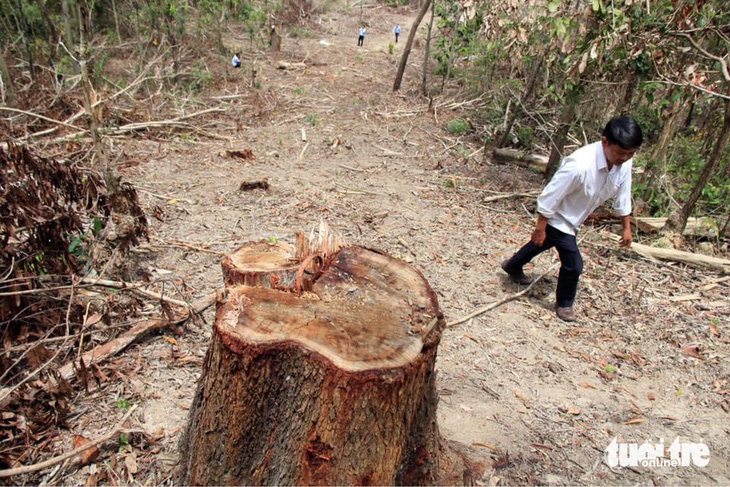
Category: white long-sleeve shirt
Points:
column 581, row 184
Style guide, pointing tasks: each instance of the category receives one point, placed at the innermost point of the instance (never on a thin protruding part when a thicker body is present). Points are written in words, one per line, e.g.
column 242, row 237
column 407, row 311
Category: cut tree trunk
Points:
column 335, row 386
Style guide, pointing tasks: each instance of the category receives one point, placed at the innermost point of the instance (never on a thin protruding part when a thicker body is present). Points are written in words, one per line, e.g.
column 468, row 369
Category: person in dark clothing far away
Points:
column 236, row 60
column 360, row 35
column 396, row 31
column 584, row 181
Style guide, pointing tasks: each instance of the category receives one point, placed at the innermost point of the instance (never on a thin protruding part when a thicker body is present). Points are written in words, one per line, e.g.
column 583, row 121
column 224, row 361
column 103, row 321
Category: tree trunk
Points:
column 525, row 97
column 561, row 134
column 447, row 74
column 111, row 178
column 67, row 25
column 116, row 20
column 7, row 91
column 409, row 44
column 624, row 106
column 25, row 31
column 335, row 386
column 656, row 164
column 678, row 223
column 424, row 85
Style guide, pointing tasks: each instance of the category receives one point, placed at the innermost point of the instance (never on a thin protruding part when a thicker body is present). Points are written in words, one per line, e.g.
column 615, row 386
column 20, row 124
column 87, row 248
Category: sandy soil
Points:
column 517, row 380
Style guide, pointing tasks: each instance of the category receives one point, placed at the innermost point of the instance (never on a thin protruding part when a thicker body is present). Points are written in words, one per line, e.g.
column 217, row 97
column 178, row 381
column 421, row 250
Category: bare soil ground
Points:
column 639, row 364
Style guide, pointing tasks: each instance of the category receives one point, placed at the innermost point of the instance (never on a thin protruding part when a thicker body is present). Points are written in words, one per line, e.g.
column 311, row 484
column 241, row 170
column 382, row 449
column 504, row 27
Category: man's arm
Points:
column 622, row 206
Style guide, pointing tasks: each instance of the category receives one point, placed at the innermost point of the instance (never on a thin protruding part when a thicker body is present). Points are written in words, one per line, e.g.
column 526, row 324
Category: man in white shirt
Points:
column 396, row 31
column 236, row 61
column 585, row 180
column 360, row 35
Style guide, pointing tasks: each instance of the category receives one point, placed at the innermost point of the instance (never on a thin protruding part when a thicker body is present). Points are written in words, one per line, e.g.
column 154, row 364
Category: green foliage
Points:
column 311, row 119
column 123, row 441
column 391, row 47
column 451, row 183
column 682, row 163
column 457, row 126
column 298, row 90
column 123, row 404
column 525, row 136
column 199, row 77
column 272, row 240
column 299, row 31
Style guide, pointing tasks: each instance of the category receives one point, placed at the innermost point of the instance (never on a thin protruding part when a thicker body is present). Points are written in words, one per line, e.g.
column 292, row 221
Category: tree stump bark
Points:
column 330, row 386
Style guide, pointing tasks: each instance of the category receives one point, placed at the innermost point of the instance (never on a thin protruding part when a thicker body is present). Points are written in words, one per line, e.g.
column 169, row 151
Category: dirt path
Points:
column 551, row 394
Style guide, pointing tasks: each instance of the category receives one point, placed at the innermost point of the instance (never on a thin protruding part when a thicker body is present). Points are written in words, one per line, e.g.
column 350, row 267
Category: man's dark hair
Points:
column 623, row 131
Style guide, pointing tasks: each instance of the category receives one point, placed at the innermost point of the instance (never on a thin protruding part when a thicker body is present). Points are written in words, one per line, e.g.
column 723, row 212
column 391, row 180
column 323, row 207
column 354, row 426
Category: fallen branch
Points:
column 185, row 245
column 137, row 288
column 511, row 195
column 55, row 460
column 113, row 347
column 36, row 115
column 132, row 127
column 502, row 301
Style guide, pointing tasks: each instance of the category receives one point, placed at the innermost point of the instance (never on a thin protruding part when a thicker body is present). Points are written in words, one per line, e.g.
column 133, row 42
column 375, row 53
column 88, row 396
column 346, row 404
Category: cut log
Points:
column 671, row 255
column 290, row 66
column 698, row 227
column 682, row 257
column 334, row 386
column 534, row 162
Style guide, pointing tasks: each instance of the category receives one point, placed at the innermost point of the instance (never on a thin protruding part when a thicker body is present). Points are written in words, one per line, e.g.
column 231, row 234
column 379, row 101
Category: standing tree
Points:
column 409, row 44
column 424, row 85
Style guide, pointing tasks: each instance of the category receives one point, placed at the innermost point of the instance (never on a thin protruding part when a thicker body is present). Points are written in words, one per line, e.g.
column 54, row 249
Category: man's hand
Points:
column 538, row 237
column 626, row 238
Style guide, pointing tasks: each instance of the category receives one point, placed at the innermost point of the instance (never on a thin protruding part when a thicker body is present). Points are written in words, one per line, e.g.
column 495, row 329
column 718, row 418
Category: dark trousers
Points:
column 570, row 260
column 396, row 38
column 360, row 40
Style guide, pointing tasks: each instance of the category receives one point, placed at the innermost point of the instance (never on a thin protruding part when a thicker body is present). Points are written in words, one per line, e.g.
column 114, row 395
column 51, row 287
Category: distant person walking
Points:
column 236, row 61
column 396, row 31
column 360, row 36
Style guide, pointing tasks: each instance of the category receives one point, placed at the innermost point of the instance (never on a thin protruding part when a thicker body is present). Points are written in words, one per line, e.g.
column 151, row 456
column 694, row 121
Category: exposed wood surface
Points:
column 331, row 386
column 534, row 162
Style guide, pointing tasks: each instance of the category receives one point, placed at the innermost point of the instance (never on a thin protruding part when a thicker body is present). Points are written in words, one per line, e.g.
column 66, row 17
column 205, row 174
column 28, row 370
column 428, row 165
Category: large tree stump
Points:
column 330, row 386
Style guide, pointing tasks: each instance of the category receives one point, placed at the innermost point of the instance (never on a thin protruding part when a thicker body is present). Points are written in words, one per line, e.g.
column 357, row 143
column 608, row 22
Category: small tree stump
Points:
column 261, row 264
column 331, row 386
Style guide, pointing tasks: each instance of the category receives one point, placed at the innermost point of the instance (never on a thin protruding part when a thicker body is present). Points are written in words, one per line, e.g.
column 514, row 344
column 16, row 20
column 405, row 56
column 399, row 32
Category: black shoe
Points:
column 565, row 314
column 518, row 277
